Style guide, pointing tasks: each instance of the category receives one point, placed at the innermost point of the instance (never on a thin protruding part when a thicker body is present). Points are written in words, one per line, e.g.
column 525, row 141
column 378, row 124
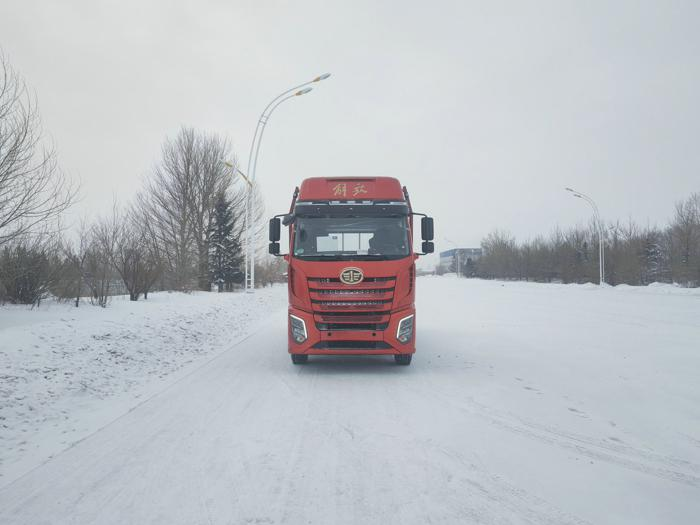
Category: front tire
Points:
column 299, row 359
column 403, row 359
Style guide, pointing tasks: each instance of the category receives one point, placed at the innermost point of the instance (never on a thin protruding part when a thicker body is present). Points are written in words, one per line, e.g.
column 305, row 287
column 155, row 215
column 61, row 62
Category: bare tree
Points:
column 125, row 241
column 178, row 202
column 76, row 254
column 634, row 255
column 129, row 258
column 500, row 256
column 271, row 270
column 154, row 253
column 684, row 240
column 33, row 191
column 164, row 203
column 210, row 179
column 98, row 274
column 29, row 269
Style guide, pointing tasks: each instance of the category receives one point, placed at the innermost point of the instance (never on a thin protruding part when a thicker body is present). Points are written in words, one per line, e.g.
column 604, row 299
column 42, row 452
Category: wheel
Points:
column 403, row 359
column 299, row 359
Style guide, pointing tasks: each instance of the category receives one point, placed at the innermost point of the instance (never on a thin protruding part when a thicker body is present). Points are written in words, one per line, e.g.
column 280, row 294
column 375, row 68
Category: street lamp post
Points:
column 296, row 91
column 601, row 245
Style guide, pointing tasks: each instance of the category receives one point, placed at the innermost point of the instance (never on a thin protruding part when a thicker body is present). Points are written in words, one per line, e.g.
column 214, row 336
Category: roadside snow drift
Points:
column 66, row 371
column 525, row 403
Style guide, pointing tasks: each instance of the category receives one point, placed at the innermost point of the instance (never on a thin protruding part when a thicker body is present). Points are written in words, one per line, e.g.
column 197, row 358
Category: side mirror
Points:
column 428, row 246
column 275, row 225
column 426, row 230
column 274, row 247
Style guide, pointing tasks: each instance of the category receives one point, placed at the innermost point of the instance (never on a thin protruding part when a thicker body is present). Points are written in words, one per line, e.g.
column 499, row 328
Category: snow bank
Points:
column 66, row 371
column 655, row 288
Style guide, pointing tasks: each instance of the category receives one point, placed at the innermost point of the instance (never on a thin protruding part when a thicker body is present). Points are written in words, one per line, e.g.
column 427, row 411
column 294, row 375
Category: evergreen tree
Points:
column 652, row 258
column 225, row 255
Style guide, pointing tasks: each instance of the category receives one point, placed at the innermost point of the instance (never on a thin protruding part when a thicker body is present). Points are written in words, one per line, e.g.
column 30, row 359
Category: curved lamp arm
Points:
column 276, row 99
column 589, row 200
column 263, row 121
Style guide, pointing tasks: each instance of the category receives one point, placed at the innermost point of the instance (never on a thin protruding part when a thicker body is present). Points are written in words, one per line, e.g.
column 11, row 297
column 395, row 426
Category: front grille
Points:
column 344, row 304
column 353, row 291
column 352, row 317
column 351, row 345
column 363, row 306
column 339, row 327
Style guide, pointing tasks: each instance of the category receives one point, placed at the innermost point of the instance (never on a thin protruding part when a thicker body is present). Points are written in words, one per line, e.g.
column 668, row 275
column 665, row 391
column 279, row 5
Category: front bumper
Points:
column 351, row 341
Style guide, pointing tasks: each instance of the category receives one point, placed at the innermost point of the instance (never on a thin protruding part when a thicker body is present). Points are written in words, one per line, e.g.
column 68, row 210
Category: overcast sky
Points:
column 485, row 110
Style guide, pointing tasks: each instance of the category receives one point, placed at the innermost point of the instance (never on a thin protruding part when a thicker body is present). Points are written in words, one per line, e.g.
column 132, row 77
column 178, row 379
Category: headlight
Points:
column 405, row 331
column 298, row 327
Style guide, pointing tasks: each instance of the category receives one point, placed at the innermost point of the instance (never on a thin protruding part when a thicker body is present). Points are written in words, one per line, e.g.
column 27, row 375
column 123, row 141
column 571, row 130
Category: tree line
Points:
column 634, row 254
column 182, row 231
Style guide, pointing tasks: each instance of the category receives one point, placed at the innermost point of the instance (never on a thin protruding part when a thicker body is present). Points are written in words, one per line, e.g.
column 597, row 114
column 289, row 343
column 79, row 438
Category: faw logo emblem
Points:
column 351, row 276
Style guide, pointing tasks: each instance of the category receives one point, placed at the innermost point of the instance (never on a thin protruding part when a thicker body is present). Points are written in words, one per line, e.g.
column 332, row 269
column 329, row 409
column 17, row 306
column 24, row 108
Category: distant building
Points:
column 466, row 257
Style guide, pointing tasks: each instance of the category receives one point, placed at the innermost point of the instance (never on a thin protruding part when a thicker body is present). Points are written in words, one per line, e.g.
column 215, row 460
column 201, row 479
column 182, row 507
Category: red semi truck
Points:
column 351, row 267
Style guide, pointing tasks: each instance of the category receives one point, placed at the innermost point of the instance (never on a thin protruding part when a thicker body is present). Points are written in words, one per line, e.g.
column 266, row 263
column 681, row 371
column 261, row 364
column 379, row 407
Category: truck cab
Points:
column 351, row 267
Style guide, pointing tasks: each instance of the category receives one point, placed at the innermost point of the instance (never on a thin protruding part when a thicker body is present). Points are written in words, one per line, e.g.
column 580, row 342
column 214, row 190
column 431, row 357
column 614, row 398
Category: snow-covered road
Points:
column 525, row 403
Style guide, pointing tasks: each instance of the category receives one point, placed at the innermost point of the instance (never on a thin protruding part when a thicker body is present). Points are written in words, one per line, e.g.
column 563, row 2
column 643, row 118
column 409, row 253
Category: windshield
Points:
column 358, row 238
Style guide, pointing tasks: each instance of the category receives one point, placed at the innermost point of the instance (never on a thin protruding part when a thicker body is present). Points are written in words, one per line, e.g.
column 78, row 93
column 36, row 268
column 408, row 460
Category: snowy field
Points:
column 65, row 372
column 526, row 403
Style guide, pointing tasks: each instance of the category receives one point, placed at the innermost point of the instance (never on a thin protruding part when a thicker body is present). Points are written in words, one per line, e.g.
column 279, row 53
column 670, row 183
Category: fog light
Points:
column 298, row 327
column 405, row 331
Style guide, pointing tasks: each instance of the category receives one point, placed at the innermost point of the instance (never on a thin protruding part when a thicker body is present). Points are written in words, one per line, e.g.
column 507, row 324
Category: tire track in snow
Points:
column 626, row 456
column 286, row 481
column 496, row 489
